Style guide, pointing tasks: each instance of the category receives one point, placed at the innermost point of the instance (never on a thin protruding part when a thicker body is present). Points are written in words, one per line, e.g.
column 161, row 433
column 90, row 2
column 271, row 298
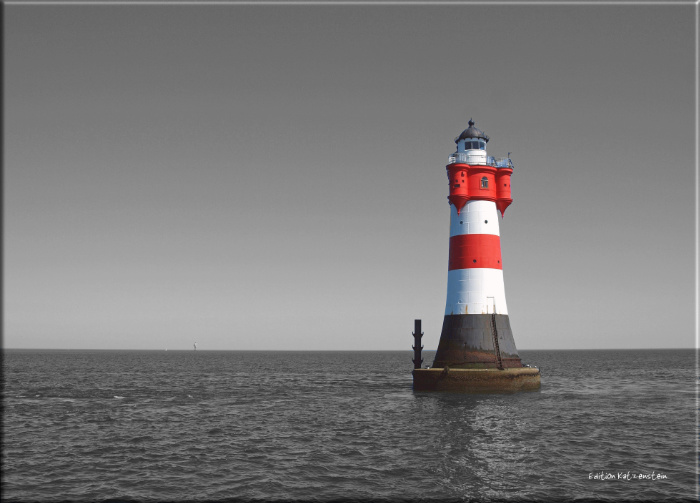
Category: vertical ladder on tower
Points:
column 495, row 341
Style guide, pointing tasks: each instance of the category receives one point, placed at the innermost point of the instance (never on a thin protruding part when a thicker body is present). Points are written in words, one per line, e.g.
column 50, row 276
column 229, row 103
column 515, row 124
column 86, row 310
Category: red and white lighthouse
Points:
column 476, row 331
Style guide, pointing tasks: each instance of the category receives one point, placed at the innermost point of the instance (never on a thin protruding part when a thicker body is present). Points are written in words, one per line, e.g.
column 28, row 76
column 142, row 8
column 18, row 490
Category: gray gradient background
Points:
column 273, row 177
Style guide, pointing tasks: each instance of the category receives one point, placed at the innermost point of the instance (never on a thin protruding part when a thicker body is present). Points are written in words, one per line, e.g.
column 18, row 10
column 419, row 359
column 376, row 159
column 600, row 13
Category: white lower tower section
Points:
column 475, row 290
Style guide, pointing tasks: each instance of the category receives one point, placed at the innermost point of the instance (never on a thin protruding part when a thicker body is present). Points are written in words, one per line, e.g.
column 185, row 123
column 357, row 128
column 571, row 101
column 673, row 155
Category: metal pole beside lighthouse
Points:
column 417, row 347
column 476, row 349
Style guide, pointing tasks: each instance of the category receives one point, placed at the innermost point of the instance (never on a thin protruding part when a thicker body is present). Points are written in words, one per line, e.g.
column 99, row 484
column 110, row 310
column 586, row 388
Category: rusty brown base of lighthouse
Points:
column 476, row 380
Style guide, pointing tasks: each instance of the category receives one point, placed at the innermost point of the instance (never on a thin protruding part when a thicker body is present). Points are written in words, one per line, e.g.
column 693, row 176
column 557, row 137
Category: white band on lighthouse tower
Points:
column 473, row 289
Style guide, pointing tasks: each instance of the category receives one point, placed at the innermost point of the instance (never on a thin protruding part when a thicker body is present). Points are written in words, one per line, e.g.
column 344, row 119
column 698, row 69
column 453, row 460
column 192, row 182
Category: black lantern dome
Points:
column 472, row 132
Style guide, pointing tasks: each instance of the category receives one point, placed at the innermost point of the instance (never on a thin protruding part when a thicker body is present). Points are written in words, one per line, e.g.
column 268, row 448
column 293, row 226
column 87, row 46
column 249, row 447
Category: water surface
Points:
column 210, row 425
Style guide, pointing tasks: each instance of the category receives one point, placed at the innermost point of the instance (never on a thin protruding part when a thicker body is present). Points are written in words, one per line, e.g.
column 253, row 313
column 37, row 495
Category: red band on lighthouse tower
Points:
column 469, row 251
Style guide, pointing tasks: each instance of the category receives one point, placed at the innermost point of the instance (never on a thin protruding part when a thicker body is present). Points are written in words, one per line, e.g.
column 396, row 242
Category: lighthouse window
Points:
column 484, row 183
column 482, row 145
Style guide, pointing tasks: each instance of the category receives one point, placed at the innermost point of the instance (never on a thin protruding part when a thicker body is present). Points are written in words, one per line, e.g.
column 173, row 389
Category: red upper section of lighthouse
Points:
column 485, row 182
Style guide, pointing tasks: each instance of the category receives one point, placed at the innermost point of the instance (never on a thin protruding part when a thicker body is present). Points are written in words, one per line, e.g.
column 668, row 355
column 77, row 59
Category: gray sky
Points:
column 273, row 177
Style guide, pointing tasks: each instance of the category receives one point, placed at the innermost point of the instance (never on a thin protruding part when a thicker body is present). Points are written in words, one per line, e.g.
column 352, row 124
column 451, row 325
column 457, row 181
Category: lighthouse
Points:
column 476, row 349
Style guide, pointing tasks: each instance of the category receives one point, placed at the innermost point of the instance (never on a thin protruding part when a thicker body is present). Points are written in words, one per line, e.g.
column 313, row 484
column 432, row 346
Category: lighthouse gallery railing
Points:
column 501, row 162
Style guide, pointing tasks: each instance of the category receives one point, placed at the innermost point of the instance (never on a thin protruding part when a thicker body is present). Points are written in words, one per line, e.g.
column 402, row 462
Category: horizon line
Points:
column 333, row 350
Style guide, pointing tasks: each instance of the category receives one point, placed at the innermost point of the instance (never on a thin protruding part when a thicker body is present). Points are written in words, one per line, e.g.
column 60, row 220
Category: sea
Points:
column 154, row 426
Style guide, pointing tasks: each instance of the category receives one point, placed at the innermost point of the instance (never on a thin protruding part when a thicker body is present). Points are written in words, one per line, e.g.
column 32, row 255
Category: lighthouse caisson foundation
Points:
column 476, row 351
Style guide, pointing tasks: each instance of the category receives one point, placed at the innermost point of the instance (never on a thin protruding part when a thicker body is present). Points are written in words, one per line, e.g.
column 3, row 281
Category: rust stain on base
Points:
column 476, row 380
